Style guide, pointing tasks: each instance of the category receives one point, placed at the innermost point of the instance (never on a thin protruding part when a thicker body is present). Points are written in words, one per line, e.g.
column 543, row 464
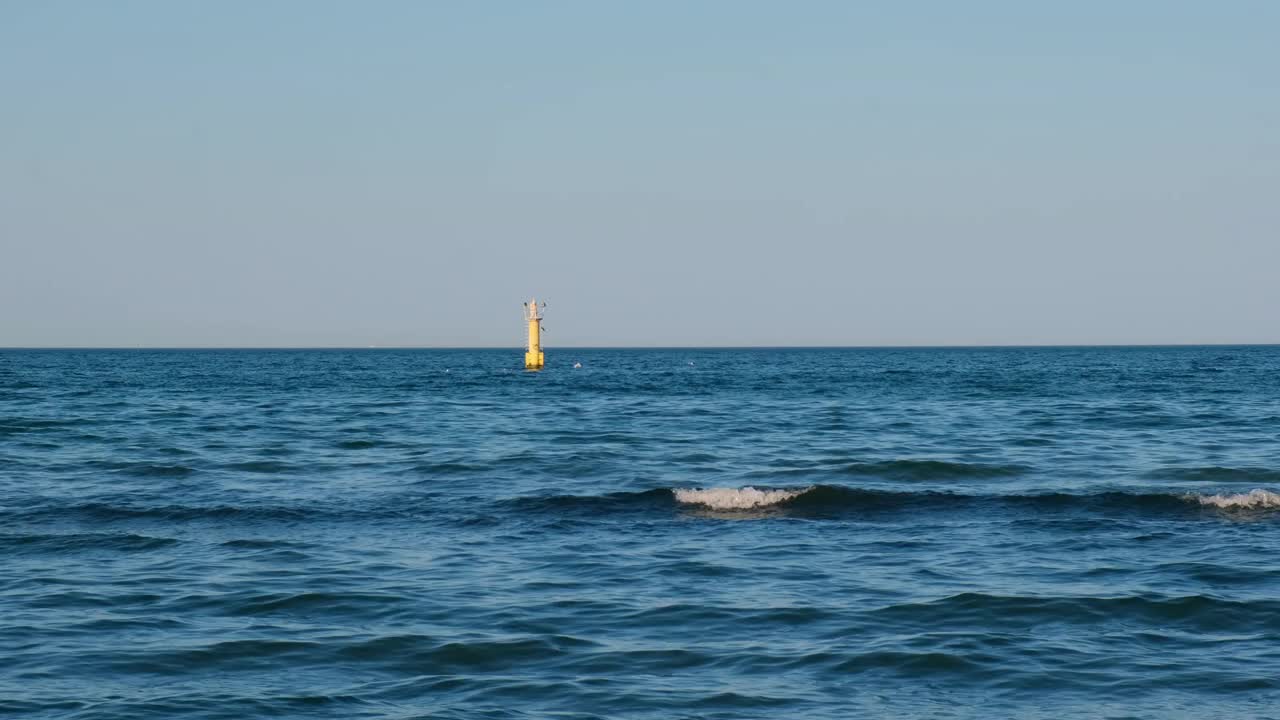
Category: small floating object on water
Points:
column 577, row 365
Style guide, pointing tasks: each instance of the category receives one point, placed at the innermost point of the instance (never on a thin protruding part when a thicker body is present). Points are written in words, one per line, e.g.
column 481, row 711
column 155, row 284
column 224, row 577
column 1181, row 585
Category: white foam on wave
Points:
column 1256, row 498
column 744, row 498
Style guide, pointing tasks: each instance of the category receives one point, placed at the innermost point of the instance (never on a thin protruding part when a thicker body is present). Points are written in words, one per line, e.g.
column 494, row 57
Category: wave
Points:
column 107, row 511
column 71, row 542
column 335, row 603
column 121, row 510
column 1217, row 474
column 921, row 470
column 1256, row 499
column 618, row 501
column 424, row 654
column 157, row 470
column 836, row 500
column 811, row 501
column 735, row 498
column 16, row 425
column 266, row 467
column 103, row 512
column 906, row 470
column 1200, row 613
column 262, row 544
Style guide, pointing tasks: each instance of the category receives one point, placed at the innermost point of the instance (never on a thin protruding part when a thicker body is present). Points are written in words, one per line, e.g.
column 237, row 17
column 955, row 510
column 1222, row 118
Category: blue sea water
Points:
column 807, row 533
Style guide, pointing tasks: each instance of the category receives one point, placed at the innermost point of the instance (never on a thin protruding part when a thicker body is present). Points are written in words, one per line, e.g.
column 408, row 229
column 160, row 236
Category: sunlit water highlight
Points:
column 1036, row 533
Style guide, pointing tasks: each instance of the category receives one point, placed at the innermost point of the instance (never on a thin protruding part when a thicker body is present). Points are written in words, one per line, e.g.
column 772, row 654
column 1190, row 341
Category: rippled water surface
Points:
column 1038, row 533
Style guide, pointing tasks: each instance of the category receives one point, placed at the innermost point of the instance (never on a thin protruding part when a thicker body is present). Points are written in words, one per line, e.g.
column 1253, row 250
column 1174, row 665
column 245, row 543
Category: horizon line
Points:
column 958, row 346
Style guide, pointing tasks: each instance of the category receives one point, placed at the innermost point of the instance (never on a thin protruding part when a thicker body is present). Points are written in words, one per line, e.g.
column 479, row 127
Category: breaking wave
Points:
column 820, row 501
column 1256, row 499
column 746, row 498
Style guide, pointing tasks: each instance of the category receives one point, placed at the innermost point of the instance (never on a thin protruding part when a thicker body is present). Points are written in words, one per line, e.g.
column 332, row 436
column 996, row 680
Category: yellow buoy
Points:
column 533, row 357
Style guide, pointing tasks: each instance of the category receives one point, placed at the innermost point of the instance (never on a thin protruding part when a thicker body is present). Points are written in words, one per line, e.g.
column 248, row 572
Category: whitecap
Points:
column 744, row 498
column 1257, row 498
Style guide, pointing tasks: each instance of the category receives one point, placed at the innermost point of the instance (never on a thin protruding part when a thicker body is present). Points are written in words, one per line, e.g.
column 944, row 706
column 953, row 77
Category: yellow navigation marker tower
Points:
column 533, row 357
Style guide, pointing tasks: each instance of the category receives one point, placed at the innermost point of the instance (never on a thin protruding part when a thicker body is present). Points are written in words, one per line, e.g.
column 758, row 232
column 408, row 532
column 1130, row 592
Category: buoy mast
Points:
column 533, row 357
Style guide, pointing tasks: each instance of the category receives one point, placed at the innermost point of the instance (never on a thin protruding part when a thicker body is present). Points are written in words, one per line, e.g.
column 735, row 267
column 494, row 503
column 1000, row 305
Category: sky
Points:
column 310, row 173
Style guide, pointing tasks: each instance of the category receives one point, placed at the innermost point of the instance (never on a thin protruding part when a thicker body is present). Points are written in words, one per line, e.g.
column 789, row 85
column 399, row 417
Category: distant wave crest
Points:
column 1255, row 499
column 745, row 498
column 825, row 499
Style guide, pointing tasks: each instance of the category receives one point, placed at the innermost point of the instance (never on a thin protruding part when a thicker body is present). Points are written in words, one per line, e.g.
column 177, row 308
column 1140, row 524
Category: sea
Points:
column 1065, row 532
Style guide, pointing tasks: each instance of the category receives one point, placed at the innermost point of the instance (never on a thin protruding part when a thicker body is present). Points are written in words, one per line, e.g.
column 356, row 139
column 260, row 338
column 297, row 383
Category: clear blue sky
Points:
column 664, row 173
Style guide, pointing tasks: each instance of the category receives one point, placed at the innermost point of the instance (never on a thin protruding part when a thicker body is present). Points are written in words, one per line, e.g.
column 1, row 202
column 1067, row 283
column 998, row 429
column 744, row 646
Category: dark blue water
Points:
column 1036, row 533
